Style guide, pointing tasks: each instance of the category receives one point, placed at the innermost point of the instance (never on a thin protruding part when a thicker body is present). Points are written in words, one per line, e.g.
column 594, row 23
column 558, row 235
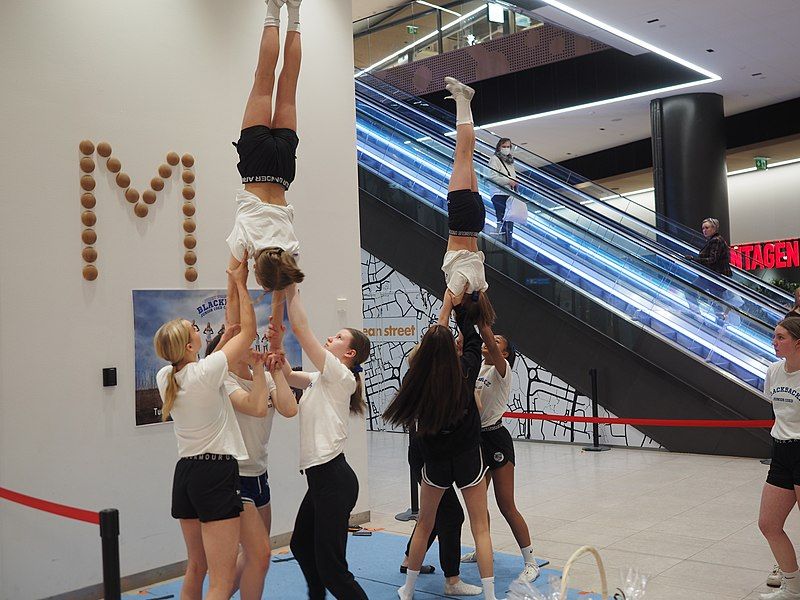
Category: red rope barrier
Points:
column 62, row 510
column 738, row 423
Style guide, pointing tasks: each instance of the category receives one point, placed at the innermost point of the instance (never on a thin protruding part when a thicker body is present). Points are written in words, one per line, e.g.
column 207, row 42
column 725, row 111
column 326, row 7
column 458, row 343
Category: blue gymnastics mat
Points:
column 375, row 562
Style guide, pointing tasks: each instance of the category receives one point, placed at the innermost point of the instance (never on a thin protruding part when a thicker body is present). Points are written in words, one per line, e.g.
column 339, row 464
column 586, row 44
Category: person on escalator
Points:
column 794, row 311
column 716, row 255
column 504, row 176
column 463, row 267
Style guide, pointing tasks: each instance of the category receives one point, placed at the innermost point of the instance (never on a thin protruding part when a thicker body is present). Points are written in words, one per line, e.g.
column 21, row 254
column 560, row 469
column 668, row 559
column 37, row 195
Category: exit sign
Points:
column 761, row 163
column 412, row 29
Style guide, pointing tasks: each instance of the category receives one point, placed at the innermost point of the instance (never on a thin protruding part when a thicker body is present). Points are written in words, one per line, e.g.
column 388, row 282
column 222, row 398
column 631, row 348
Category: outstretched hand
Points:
column 255, row 359
column 275, row 332
column 275, row 361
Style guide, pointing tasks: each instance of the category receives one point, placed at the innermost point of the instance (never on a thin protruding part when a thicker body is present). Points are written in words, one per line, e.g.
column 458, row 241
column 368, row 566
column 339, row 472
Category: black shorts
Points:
column 784, row 471
column 255, row 490
column 206, row 487
column 497, row 446
column 464, row 470
column 267, row 155
column 466, row 214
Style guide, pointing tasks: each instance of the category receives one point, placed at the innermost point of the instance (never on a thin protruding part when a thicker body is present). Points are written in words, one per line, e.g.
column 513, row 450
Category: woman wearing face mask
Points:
column 505, row 177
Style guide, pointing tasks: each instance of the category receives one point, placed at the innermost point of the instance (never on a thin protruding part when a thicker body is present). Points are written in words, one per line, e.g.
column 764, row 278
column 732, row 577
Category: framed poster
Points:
column 206, row 311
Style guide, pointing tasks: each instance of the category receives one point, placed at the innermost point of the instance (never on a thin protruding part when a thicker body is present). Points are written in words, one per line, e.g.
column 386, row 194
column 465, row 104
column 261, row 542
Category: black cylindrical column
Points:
column 109, row 534
column 689, row 176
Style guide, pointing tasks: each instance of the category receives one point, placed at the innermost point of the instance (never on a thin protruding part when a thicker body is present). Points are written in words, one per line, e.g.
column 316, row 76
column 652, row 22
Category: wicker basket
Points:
column 578, row 553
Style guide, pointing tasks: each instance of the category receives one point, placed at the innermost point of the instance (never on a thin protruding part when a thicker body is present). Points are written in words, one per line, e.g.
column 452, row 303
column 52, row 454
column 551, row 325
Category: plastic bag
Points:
column 634, row 584
column 521, row 590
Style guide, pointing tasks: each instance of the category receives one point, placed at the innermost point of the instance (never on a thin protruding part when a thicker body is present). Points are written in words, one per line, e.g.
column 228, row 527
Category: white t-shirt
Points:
column 324, row 413
column 783, row 389
column 501, row 173
column 255, row 430
column 493, row 391
column 260, row 225
column 464, row 271
column 203, row 414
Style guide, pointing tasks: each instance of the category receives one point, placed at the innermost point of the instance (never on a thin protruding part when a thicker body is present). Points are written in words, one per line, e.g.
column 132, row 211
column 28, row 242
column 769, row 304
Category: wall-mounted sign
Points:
column 780, row 254
column 761, row 163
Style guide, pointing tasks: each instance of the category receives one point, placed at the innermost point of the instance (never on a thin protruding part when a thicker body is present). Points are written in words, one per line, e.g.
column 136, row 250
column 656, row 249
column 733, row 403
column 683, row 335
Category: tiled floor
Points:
column 690, row 521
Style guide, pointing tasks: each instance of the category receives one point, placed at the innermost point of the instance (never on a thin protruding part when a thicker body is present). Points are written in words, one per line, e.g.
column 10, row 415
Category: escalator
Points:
column 577, row 290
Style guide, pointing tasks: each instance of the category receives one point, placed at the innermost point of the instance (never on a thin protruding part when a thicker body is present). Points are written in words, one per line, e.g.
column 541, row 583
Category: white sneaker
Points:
column 469, row 557
column 774, row 579
column 403, row 595
column 781, row 594
column 462, row 588
column 529, row 573
column 456, row 88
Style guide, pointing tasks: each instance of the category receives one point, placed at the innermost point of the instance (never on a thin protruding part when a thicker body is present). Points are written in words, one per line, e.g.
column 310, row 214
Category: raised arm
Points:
column 296, row 379
column 302, row 330
column 254, row 402
column 278, row 299
column 499, row 361
column 232, row 302
column 447, row 308
column 240, row 343
column 283, row 400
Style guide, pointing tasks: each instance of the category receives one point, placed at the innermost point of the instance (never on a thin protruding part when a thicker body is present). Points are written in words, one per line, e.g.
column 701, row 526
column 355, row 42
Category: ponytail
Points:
column 276, row 269
column 170, row 344
column 169, row 395
column 479, row 308
column 361, row 344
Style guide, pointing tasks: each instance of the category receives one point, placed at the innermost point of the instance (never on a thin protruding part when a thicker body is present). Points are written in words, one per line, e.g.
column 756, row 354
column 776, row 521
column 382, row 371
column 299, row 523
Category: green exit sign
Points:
column 412, row 29
column 761, row 163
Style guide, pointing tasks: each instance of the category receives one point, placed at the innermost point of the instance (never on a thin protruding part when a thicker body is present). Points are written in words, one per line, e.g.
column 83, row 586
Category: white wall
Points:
column 763, row 205
column 147, row 76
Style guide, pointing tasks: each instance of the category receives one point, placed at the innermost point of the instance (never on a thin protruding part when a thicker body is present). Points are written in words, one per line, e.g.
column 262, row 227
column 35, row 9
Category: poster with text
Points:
column 205, row 309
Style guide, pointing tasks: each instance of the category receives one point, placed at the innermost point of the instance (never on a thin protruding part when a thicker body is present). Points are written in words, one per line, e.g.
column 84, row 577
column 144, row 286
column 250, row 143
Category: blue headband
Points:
column 357, row 369
column 475, row 296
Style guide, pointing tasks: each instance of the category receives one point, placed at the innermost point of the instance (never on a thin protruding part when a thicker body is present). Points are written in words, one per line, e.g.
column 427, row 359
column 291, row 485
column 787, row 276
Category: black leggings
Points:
column 319, row 540
column 449, row 519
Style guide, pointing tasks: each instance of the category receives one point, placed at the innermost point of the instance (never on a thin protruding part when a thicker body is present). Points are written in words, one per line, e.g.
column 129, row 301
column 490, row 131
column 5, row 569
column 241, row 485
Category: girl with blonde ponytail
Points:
column 205, row 489
column 331, row 396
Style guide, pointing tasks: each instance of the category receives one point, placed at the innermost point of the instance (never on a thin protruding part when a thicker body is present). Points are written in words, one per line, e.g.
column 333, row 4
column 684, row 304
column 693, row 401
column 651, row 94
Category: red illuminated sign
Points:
column 781, row 254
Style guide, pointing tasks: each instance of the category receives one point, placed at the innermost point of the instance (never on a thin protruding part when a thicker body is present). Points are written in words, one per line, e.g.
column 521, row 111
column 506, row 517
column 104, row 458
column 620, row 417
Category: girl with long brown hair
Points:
column 437, row 395
column 264, row 222
column 463, row 266
column 331, row 396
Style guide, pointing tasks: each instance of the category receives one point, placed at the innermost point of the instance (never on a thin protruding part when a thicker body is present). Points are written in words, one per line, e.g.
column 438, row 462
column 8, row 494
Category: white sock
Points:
column 293, row 8
column 792, row 581
column 488, row 588
column 463, row 110
column 407, row 591
column 527, row 555
column 273, row 18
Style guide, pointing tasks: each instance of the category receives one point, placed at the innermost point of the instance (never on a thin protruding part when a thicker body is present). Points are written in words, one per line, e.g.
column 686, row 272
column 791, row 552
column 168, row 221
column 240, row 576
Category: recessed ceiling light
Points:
column 653, row 21
column 602, row 129
column 755, row 74
column 709, row 49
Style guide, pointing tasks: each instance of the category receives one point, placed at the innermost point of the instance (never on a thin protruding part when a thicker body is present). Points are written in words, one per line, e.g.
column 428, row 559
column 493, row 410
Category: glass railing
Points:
column 593, row 260
column 538, row 173
column 417, row 30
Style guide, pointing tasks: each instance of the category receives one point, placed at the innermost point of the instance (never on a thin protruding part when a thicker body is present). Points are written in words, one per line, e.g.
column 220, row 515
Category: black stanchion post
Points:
column 411, row 513
column 595, row 447
column 109, row 534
